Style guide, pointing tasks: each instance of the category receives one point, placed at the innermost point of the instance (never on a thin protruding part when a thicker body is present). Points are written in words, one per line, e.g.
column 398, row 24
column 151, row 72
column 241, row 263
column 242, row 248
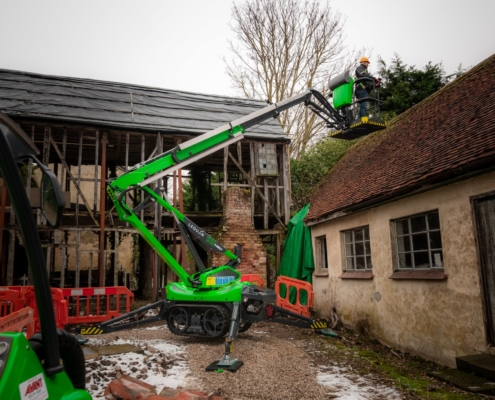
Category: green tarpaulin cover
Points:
column 297, row 261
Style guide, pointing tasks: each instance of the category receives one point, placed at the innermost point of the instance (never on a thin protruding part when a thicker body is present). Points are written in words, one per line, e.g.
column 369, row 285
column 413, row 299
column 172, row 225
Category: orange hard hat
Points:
column 364, row 59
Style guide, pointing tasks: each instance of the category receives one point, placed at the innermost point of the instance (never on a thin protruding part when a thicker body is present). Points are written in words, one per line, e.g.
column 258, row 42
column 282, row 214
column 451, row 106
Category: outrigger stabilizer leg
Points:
column 227, row 362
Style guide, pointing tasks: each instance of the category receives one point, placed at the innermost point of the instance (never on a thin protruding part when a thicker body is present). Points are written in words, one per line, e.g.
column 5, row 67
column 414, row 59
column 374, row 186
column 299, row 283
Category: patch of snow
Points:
column 168, row 366
column 343, row 385
column 155, row 328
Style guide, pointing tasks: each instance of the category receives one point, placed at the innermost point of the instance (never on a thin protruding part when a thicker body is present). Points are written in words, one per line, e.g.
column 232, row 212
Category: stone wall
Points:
column 237, row 228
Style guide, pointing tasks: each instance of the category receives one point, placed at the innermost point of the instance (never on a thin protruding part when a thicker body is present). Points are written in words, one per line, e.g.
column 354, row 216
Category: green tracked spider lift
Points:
column 213, row 301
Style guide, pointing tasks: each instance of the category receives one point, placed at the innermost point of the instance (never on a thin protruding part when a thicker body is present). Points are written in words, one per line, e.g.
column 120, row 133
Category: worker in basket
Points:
column 365, row 83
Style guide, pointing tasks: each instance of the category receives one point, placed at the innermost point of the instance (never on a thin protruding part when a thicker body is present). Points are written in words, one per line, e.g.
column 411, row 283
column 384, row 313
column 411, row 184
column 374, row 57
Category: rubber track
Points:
column 204, row 307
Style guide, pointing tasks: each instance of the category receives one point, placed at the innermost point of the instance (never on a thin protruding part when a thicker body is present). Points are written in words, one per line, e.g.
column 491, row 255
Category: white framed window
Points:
column 419, row 242
column 357, row 249
column 321, row 257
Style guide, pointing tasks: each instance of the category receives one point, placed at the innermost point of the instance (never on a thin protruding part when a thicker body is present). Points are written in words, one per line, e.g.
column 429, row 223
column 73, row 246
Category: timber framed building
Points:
column 89, row 131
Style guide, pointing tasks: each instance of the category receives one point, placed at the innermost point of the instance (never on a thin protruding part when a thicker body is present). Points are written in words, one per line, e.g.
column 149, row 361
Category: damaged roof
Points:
column 124, row 106
column 447, row 135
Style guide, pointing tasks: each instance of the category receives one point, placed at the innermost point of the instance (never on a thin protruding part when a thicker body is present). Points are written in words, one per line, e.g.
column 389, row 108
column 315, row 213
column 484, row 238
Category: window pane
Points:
column 366, row 233
column 321, row 252
column 360, row 263
column 418, row 224
column 433, row 221
column 359, row 248
column 402, row 227
column 367, row 248
column 348, row 237
column 349, row 263
column 368, row 262
column 358, row 235
column 420, row 241
column 405, row 260
column 437, row 259
column 421, row 260
column 435, row 240
column 324, row 260
column 403, row 244
column 348, row 250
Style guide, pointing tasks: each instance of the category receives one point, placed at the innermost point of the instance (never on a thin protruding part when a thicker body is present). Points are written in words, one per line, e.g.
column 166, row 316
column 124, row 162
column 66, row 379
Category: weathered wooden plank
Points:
column 225, row 171
column 78, row 257
column 267, row 202
column 286, row 193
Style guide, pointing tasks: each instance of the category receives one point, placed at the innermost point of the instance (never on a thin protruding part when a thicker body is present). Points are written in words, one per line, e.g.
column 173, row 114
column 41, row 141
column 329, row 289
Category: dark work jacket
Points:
column 362, row 72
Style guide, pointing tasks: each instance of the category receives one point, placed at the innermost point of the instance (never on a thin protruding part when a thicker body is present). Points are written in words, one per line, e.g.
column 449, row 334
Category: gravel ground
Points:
column 280, row 362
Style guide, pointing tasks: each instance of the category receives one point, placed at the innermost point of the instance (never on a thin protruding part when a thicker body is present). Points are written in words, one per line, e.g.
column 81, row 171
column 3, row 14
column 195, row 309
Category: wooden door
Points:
column 484, row 210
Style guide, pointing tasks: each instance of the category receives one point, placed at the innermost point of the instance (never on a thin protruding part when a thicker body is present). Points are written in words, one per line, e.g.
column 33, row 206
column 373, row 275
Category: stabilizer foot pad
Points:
column 231, row 367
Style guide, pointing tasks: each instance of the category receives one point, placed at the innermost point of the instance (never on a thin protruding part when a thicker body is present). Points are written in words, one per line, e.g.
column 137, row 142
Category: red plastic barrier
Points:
column 253, row 278
column 22, row 289
column 11, row 301
column 19, row 321
column 59, row 305
column 72, row 306
column 91, row 305
column 284, row 302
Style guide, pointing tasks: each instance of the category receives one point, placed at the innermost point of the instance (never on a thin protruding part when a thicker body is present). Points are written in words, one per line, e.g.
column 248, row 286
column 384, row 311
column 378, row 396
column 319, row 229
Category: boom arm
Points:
column 141, row 175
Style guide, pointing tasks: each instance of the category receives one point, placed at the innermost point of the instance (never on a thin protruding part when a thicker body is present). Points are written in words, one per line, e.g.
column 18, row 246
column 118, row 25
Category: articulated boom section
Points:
column 140, row 176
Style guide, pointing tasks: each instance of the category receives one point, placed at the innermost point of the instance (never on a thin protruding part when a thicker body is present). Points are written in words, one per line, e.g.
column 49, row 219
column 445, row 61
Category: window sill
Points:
column 422, row 275
column 321, row 274
column 357, row 275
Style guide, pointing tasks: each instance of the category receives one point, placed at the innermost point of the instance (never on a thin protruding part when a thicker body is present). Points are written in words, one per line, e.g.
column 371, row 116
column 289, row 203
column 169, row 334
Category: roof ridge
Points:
column 447, row 86
column 123, row 85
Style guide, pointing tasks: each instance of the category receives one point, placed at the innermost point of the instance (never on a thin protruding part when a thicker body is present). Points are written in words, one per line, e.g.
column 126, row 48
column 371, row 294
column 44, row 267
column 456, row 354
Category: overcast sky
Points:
column 180, row 44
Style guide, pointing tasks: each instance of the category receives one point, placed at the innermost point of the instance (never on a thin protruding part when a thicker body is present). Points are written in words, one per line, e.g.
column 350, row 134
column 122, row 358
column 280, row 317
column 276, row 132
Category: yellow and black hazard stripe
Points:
column 319, row 325
column 91, row 330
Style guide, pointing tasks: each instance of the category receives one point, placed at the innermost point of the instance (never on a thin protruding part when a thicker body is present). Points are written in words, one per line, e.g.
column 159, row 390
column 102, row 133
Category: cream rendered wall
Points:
column 438, row 320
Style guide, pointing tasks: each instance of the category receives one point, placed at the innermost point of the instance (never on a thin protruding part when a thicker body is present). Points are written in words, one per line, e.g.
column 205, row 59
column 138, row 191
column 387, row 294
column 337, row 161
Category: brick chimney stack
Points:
column 237, row 228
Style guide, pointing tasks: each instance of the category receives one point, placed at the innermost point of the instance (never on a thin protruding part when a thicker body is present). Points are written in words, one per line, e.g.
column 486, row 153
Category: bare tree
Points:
column 281, row 48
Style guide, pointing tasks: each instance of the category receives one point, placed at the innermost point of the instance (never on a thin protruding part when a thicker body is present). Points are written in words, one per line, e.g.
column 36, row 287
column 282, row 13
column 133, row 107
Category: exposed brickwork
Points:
column 237, row 228
column 450, row 133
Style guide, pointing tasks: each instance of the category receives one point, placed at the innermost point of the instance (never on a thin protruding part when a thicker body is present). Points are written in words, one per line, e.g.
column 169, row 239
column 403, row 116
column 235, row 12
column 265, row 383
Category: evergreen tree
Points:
column 404, row 86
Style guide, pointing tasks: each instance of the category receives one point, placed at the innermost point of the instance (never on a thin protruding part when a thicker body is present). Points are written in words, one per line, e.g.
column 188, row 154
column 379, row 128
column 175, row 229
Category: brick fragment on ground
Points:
column 129, row 388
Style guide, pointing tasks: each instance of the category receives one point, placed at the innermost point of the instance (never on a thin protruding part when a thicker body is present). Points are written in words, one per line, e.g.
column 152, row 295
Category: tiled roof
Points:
column 449, row 134
column 123, row 106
